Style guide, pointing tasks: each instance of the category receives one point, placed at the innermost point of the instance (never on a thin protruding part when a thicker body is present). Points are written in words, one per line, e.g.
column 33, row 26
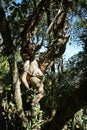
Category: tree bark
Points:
column 53, row 102
column 17, row 93
column 34, row 19
column 16, row 87
column 47, row 58
column 8, row 44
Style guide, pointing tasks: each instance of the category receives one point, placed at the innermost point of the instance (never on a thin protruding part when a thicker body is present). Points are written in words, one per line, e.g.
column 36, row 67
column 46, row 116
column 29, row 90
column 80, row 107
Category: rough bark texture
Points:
column 17, row 94
column 53, row 104
column 67, row 108
column 33, row 19
column 59, row 45
column 16, row 87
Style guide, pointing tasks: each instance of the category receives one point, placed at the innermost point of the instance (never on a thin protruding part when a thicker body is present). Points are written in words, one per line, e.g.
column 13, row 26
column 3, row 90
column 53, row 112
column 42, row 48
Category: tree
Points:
column 18, row 31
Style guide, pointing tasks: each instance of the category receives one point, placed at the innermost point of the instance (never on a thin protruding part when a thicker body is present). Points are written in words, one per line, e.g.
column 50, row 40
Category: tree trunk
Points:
column 53, row 111
column 17, row 92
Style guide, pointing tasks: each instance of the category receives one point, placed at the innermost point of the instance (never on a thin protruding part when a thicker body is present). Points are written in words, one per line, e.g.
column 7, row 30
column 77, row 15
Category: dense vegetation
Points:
column 49, row 25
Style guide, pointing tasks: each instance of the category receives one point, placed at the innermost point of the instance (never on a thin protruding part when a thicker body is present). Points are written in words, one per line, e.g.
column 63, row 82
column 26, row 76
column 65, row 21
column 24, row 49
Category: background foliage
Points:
column 62, row 79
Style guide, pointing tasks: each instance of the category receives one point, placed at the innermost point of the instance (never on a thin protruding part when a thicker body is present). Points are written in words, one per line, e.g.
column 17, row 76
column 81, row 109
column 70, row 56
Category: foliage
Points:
column 17, row 15
column 74, row 71
column 5, row 74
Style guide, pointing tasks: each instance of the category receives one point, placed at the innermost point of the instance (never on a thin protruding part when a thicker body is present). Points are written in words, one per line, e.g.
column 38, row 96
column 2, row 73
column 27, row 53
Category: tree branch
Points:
column 47, row 58
column 33, row 19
